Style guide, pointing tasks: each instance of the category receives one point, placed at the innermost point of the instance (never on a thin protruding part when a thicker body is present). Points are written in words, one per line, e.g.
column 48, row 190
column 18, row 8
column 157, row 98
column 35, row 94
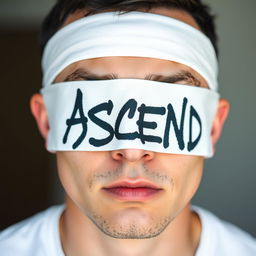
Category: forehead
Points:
column 123, row 65
column 130, row 67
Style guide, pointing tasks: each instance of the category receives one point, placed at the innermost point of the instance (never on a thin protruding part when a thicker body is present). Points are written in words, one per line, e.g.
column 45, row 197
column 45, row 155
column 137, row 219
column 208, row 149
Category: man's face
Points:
column 88, row 176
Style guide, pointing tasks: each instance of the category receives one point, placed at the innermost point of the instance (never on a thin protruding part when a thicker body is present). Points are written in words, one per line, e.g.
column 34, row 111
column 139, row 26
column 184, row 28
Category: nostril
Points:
column 132, row 155
column 117, row 155
column 148, row 156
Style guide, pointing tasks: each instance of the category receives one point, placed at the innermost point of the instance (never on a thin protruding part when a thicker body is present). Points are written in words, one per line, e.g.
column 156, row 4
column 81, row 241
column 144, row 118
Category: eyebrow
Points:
column 185, row 76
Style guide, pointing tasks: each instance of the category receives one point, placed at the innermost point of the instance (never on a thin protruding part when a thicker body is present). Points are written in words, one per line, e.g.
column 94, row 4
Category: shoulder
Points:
column 32, row 236
column 223, row 238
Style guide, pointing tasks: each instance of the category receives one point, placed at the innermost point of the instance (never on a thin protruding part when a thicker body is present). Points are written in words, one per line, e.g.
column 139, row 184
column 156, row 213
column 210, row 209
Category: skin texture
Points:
column 96, row 224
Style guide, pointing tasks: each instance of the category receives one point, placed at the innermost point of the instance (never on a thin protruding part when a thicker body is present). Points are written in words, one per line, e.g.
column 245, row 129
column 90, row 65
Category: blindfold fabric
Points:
column 130, row 113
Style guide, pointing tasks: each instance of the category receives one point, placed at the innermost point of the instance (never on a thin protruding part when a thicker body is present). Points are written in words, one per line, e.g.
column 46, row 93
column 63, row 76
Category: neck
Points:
column 80, row 236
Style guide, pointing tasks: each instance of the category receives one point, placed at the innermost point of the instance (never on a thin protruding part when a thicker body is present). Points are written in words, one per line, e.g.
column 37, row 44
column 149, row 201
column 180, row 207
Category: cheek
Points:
column 70, row 175
column 75, row 172
column 186, row 173
column 188, row 178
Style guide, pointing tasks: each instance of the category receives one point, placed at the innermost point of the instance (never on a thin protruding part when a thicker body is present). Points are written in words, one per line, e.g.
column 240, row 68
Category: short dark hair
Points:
column 63, row 8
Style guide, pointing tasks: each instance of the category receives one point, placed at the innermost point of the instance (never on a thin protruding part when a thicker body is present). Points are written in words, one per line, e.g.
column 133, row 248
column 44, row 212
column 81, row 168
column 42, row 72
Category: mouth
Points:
column 132, row 190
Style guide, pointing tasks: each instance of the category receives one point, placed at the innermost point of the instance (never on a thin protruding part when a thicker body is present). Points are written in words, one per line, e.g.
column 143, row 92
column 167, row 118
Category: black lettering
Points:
column 130, row 106
column 107, row 106
column 171, row 118
column 192, row 144
column 143, row 109
column 74, row 121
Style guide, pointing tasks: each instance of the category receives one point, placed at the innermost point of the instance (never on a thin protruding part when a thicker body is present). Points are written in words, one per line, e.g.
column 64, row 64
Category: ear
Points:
column 39, row 112
column 219, row 120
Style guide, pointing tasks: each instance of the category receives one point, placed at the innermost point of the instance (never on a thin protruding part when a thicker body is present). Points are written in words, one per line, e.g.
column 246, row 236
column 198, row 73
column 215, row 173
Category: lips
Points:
column 132, row 190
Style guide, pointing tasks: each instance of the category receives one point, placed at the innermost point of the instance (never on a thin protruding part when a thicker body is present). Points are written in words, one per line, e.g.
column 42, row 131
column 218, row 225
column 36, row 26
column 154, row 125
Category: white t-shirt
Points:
column 39, row 236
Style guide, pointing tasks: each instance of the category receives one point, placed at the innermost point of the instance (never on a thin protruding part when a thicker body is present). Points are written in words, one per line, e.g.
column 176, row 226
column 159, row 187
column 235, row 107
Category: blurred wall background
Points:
column 28, row 179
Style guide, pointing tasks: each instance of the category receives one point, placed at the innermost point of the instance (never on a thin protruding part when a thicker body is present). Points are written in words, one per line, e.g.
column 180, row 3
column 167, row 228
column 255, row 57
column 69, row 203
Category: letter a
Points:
column 74, row 121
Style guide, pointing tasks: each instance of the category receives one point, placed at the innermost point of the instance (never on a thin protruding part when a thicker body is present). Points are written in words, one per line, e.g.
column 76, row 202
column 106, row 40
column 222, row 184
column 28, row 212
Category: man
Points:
column 130, row 107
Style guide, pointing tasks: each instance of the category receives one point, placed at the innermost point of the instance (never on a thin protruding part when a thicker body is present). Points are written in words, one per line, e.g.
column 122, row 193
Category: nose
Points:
column 132, row 155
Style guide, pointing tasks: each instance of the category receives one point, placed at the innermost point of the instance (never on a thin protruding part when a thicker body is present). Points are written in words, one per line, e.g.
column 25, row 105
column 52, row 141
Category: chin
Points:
column 131, row 224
